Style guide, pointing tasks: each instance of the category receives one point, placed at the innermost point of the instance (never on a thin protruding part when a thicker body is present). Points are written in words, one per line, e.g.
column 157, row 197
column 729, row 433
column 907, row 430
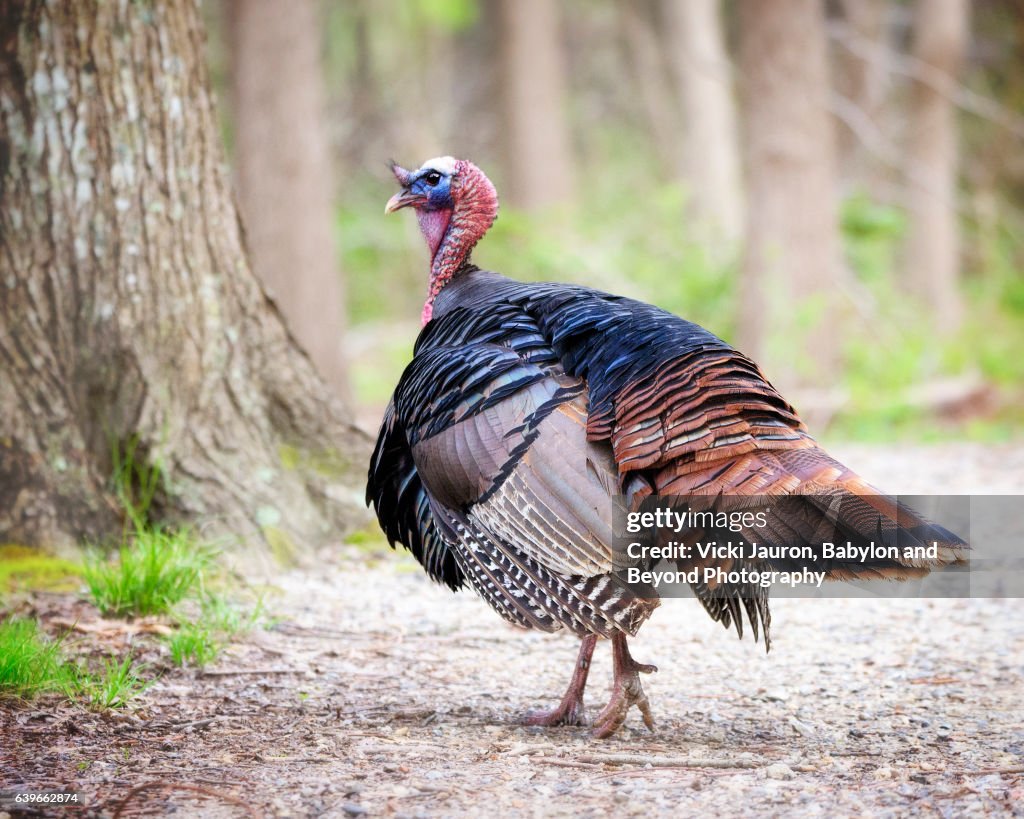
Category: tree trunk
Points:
column 128, row 310
column 711, row 147
column 862, row 86
column 932, row 253
column 791, row 265
column 538, row 153
column 652, row 83
column 284, row 167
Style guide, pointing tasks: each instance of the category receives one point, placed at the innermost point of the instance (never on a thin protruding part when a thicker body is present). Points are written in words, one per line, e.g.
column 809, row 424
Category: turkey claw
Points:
column 626, row 692
column 570, row 710
column 564, row 714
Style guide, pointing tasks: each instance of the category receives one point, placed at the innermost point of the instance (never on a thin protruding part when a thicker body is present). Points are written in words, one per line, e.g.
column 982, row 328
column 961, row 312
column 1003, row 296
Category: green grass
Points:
column 156, row 567
column 32, row 664
column 136, row 480
column 200, row 639
column 159, row 571
column 115, row 686
column 193, row 644
column 155, row 570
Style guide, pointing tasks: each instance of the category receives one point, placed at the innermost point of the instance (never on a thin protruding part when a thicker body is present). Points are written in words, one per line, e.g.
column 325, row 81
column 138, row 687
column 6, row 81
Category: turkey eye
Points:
column 432, row 178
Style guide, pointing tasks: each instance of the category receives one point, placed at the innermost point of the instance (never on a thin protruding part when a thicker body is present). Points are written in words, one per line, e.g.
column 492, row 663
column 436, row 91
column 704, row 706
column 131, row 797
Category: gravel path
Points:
column 380, row 693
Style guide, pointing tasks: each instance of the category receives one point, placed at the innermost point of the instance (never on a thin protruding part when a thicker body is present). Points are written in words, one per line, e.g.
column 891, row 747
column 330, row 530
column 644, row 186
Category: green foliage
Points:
column 136, row 480
column 452, row 15
column 193, row 643
column 383, row 258
column 115, row 686
column 369, row 537
column 156, row 569
column 894, row 346
column 199, row 640
column 156, row 566
column 31, row 664
column 871, row 236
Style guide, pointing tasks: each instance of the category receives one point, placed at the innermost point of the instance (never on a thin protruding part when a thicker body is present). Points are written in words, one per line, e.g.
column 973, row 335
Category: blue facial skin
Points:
column 438, row 195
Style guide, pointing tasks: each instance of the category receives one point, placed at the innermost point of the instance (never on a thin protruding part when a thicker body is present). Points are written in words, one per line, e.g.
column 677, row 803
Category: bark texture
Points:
column 283, row 165
column 791, row 265
column 127, row 307
column 932, row 254
column 538, row 166
column 704, row 82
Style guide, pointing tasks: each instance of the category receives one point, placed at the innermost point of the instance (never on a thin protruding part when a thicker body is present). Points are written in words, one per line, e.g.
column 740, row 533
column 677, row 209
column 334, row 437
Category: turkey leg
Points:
column 570, row 710
column 626, row 691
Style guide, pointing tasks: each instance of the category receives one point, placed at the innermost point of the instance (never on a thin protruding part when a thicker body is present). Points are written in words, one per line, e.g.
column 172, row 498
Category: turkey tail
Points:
column 810, row 500
column 883, row 537
column 818, row 516
column 872, row 535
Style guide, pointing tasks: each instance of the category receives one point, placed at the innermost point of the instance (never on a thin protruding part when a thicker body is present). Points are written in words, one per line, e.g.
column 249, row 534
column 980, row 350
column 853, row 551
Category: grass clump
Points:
column 114, row 686
column 193, row 644
column 199, row 640
column 30, row 663
column 156, row 569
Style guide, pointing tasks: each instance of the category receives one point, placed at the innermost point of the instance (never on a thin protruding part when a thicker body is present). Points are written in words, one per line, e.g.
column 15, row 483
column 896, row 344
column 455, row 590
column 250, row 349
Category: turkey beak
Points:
column 404, row 199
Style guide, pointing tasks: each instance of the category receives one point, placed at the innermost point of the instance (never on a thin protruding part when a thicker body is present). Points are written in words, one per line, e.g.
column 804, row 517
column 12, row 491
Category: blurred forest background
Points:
column 835, row 187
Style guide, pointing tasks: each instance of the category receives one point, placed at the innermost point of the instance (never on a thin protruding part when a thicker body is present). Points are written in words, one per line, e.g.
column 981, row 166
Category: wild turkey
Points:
column 528, row 407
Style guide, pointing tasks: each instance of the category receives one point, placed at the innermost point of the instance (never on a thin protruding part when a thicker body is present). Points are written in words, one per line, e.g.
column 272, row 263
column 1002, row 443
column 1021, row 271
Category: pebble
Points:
column 779, row 770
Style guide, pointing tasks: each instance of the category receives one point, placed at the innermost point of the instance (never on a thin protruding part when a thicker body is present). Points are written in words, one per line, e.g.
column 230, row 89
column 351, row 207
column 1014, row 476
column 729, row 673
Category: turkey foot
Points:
column 626, row 691
column 570, row 710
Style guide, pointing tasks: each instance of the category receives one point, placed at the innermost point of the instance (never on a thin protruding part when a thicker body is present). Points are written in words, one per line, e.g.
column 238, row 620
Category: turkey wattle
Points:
column 528, row 407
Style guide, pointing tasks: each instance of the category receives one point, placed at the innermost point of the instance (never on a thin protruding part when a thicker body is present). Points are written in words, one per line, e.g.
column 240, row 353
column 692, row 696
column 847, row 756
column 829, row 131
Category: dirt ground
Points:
column 379, row 693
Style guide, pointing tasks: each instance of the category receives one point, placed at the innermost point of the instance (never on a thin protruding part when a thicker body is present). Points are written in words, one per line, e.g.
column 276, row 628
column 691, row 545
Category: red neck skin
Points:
column 452, row 234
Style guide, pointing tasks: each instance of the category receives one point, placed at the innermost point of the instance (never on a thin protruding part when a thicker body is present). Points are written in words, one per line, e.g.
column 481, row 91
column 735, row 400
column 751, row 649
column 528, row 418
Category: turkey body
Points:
column 528, row 407
column 530, row 410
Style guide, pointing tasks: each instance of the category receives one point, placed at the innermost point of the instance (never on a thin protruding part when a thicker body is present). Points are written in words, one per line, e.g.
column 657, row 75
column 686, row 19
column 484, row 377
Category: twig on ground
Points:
column 231, row 672
column 566, row 763
column 666, row 761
